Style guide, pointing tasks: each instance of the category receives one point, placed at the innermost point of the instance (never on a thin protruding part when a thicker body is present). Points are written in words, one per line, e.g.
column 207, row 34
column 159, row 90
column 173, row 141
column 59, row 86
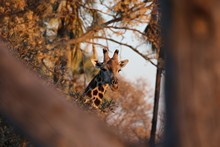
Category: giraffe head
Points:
column 110, row 68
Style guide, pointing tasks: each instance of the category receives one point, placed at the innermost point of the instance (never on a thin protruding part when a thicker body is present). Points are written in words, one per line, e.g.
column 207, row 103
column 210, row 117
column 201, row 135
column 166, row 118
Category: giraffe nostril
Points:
column 114, row 82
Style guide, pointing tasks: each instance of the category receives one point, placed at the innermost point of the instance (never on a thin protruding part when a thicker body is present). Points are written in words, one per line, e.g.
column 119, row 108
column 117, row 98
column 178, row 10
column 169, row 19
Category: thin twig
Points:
column 99, row 44
column 83, row 5
column 126, row 28
column 129, row 46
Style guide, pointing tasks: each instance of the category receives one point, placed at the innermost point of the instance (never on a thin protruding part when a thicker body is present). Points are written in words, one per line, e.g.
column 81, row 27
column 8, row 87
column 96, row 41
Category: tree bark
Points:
column 156, row 103
column 192, row 72
column 44, row 114
column 154, row 34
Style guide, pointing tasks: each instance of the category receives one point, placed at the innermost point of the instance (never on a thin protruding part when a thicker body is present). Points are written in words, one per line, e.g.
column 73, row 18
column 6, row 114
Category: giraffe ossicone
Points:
column 107, row 76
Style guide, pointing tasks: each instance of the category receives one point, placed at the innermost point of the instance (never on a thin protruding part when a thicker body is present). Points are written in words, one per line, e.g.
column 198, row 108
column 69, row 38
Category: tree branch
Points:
column 129, row 46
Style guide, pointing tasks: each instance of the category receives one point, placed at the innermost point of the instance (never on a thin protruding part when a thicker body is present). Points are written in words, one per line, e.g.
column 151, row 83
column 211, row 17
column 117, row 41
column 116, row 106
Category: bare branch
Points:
column 99, row 44
column 129, row 46
column 90, row 33
column 126, row 28
column 97, row 10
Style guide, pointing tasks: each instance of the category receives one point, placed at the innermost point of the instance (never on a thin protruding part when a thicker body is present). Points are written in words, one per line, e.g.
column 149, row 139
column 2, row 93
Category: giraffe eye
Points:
column 119, row 70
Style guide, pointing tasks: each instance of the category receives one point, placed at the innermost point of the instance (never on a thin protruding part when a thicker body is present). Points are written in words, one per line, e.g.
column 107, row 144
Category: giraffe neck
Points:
column 96, row 90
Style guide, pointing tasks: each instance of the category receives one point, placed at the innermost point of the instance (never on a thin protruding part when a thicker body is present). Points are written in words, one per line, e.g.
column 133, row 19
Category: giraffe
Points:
column 106, row 77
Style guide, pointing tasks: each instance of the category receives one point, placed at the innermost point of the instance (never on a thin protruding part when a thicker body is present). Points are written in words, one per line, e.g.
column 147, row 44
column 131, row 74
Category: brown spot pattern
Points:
column 101, row 88
column 95, row 92
column 97, row 102
column 100, row 95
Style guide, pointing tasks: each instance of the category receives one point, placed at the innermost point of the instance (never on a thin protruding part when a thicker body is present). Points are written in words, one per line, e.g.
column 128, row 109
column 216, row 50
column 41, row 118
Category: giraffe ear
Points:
column 96, row 63
column 123, row 63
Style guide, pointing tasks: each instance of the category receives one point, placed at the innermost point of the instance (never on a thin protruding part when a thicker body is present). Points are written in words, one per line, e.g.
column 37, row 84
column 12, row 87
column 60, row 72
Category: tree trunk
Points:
column 154, row 36
column 192, row 73
column 156, row 102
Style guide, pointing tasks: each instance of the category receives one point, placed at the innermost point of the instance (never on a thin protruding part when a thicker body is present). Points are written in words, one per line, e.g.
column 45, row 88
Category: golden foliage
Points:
column 51, row 36
column 55, row 30
column 152, row 31
column 130, row 115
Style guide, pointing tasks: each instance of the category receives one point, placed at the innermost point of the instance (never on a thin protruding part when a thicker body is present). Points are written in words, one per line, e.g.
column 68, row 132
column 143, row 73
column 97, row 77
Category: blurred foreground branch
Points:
column 42, row 113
